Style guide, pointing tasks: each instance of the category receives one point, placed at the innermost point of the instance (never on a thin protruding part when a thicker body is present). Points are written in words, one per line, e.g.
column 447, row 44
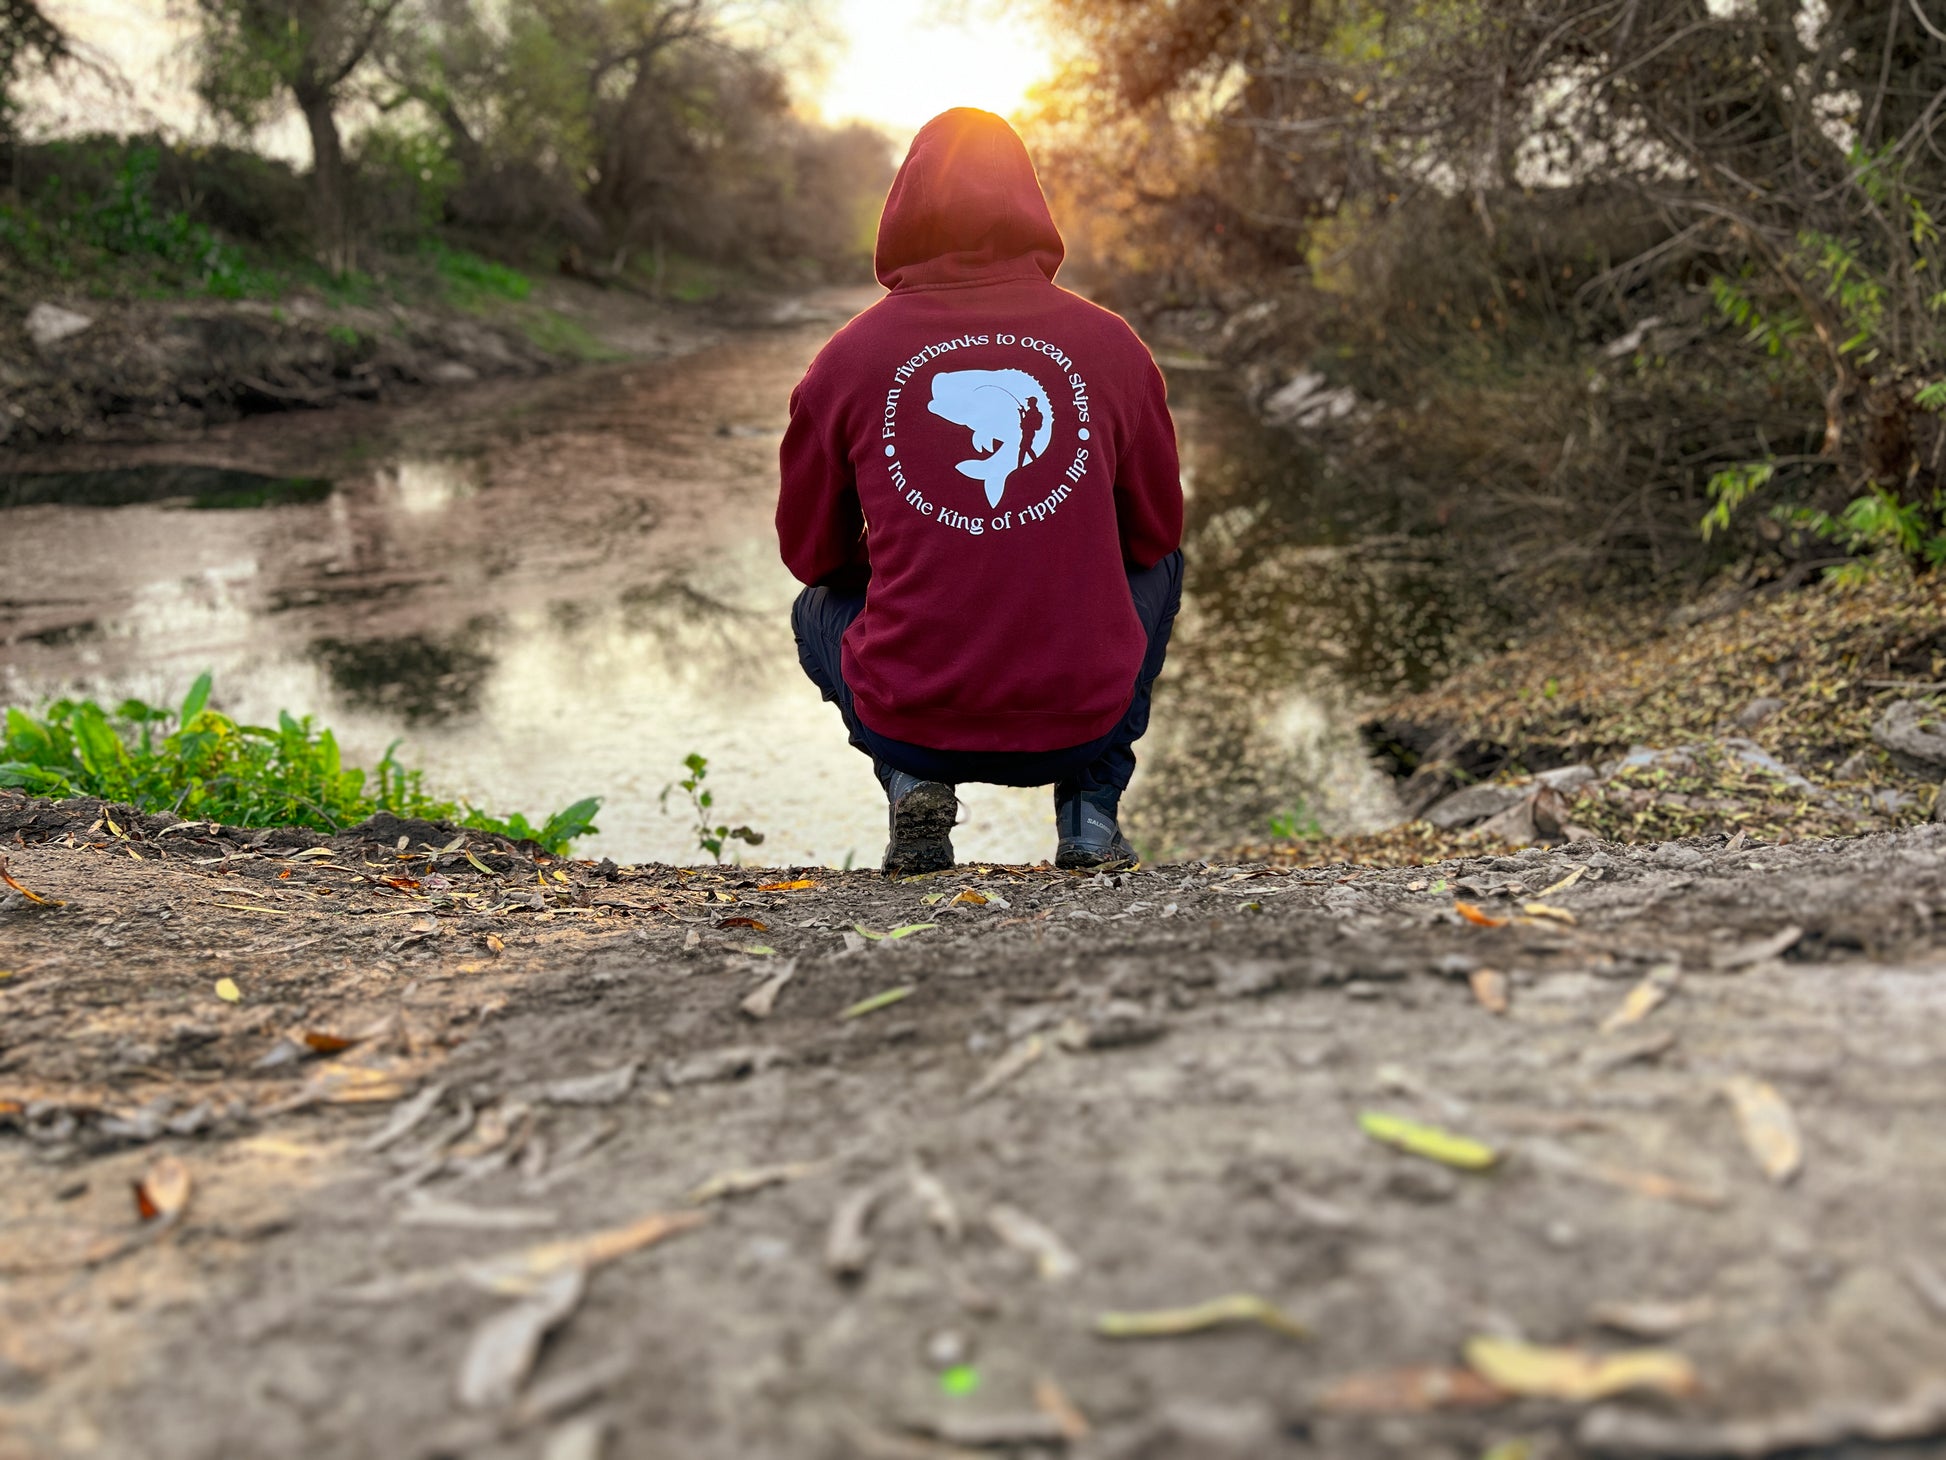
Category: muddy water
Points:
column 561, row 589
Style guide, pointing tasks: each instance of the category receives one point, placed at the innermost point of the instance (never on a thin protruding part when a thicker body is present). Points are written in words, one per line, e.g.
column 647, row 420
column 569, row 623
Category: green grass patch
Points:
column 203, row 765
column 560, row 335
column 473, row 282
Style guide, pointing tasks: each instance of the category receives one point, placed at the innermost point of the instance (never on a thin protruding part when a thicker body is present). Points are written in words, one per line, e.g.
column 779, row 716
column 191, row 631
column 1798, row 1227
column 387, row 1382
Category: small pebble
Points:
column 947, row 1348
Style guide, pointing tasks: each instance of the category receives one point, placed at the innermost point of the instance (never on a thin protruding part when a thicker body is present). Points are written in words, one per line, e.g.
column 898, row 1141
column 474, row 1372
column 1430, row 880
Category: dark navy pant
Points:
column 1097, row 772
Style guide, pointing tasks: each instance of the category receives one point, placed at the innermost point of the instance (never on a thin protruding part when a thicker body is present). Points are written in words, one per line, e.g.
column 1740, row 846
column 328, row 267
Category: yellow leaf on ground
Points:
column 227, row 991
column 1564, row 884
column 800, row 885
column 1547, row 910
column 1574, row 1375
column 1647, row 996
column 976, row 899
column 1216, row 1313
column 1428, row 1141
column 1769, row 1129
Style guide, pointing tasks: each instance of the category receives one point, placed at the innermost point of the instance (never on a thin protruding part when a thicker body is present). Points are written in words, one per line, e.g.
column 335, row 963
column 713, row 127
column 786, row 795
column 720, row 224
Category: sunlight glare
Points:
column 901, row 67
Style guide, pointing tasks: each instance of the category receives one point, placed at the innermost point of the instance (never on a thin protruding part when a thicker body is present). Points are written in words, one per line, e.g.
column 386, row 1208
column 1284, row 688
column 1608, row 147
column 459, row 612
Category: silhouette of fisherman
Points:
column 1030, row 427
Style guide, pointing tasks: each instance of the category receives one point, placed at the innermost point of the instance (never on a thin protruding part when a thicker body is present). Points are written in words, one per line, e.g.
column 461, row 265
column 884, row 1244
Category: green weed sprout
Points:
column 709, row 837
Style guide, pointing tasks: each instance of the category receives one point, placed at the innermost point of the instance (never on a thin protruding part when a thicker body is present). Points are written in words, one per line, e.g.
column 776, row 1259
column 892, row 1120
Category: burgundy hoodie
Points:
column 996, row 451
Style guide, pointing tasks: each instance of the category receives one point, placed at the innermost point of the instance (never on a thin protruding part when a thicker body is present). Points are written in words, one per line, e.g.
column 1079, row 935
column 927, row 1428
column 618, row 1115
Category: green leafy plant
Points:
column 1296, row 824
column 709, row 837
column 203, row 765
column 125, row 221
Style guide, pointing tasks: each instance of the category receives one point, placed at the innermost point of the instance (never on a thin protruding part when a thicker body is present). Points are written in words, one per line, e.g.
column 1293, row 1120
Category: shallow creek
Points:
column 555, row 589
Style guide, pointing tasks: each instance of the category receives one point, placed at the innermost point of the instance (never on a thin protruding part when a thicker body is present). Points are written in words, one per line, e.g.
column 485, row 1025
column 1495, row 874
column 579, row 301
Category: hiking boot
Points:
column 1090, row 837
column 923, row 813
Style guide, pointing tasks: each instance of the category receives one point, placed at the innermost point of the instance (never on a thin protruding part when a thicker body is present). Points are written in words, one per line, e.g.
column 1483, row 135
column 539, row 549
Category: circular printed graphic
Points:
column 987, row 432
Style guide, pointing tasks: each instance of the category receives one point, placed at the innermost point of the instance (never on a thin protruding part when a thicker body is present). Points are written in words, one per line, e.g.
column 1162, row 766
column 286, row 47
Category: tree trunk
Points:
column 330, row 225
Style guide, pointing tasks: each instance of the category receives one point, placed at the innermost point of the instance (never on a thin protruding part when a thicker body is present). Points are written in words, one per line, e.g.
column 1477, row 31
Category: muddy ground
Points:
column 1096, row 1093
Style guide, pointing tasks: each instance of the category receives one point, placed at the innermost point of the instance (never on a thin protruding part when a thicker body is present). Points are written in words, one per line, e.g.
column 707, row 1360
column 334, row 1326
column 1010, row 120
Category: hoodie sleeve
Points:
column 820, row 525
column 1148, row 476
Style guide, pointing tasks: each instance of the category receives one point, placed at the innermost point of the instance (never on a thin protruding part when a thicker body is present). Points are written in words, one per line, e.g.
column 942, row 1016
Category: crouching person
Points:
column 980, row 487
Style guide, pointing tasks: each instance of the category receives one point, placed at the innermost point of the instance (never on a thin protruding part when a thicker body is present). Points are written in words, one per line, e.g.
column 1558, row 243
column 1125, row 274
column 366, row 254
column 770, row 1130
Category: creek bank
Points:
column 1079, row 1102
column 1776, row 711
column 124, row 370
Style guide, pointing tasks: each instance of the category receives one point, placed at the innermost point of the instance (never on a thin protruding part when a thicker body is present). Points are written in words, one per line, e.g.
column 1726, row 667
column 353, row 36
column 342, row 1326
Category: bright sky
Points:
column 897, row 64
column 905, row 63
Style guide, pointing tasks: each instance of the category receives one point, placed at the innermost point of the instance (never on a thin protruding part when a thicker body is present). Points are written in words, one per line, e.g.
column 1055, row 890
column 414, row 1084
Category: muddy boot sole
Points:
column 1082, row 858
column 922, row 831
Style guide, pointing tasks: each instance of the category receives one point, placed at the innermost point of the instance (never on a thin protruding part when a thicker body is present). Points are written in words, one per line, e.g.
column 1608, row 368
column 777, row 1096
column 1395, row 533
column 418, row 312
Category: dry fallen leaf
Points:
column 162, row 1195
column 1216, row 1313
column 750, row 923
column 761, row 1000
column 1564, row 884
column 1769, row 1129
column 1647, row 995
column 1651, row 1318
column 1410, row 1391
column 355, row 1085
column 504, row 1348
column 1053, row 1258
column 1007, row 1066
column 878, row 1001
column 1549, row 911
column 1053, row 1401
column 800, row 885
column 524, row 1271
column 742, row 1181
column 976, row 899
column 227, row 991
column 319, row 1042
column 1479, row 919
column 1428, row 1141
column 1534, row 1371
column 30, row 895
column 1490, row 988
column 848, row 1241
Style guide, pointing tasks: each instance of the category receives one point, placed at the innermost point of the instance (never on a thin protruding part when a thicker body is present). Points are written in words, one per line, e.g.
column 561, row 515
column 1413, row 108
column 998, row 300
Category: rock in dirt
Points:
column 1542, row 816
column 1474, row 804
column 49, row 324
column 1914, row 734
column 1568, row 777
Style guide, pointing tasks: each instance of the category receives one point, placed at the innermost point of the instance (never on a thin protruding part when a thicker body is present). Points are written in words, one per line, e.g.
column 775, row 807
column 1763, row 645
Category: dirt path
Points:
column 1095, row 1093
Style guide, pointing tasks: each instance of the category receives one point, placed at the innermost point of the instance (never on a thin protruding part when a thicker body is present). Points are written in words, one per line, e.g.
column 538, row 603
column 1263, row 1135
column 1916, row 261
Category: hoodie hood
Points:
column 966, row 207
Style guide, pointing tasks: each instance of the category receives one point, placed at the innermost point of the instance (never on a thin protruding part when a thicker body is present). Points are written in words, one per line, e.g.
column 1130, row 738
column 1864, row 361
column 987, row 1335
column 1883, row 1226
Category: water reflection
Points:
column 222, row 488
column 420, row 679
